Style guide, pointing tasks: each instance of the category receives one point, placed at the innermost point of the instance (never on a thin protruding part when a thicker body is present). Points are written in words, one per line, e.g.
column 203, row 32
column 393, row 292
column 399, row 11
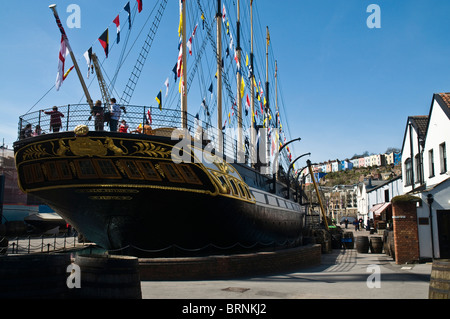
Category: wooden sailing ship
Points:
column 132, row 193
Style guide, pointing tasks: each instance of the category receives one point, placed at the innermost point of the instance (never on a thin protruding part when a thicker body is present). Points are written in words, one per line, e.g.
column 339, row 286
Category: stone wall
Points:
column 231, row 266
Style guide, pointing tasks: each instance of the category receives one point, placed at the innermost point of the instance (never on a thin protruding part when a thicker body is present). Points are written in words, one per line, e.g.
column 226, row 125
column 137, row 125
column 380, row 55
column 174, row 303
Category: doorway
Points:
column 443, row 221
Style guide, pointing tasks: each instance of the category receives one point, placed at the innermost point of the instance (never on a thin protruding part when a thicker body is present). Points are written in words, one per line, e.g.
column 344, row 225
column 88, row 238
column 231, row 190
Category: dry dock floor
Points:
column 343, row 274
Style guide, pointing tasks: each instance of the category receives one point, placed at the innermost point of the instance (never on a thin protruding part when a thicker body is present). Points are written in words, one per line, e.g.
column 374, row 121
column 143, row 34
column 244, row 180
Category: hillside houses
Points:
column 375, row 160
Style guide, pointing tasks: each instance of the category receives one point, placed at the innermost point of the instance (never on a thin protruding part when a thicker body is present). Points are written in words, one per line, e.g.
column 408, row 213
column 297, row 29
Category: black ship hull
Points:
column 125, row 193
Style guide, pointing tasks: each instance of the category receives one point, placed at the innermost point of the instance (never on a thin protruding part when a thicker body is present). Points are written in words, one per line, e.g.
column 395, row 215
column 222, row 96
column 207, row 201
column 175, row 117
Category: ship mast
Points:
column 219, row 77
column 184, row 68
column 72, row 56
column 252, row 89
column 239, row 84
column 267, row 108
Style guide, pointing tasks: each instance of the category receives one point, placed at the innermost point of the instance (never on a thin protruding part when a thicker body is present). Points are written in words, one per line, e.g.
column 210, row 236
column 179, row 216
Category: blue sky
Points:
column 346, row 88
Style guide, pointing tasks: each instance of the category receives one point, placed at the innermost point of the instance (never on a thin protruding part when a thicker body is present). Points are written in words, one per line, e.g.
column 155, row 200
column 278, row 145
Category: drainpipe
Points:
column 430, row 201
column 411, row 155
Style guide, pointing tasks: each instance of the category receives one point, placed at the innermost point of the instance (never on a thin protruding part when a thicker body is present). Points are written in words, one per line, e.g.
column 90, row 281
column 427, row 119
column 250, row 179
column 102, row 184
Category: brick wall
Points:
column 224, row 267
column 405, row 232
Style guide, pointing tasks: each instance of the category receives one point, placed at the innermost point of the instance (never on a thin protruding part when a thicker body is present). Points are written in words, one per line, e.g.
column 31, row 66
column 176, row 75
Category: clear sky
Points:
column 346, row 88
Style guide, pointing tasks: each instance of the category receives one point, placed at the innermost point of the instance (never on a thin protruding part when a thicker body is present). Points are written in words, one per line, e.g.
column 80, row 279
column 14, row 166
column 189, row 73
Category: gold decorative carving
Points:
column 81, row 130
column 160, row 171
column 151, row 150
column 34, row 152
column 109, row 144
column 119, row 165
column 224, row 167
column 84, row 146
column 73, row 168
column 62, row 148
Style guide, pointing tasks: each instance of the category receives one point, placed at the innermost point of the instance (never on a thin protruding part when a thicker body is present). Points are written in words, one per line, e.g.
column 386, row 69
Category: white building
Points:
column 413, row 145
column 379, row 198
column 362, row 199
column 426, row 174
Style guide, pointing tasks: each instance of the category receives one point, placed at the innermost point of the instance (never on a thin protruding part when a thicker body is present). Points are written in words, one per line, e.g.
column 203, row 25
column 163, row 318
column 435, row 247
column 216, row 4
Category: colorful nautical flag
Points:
column 180, row 26
column 127, row 9
column 104, row 41
column 62, row 60
column 224, row 14
column 242, row 87
column 159, row 100
column 117, row 23
column 139, row 5
column 167, row 86
column 174, row 70
column 180, row 61
column 211, row 89
column 189, row 45
column 149, row 117
column 88, row 56
column 247, row 105
column 67, row 73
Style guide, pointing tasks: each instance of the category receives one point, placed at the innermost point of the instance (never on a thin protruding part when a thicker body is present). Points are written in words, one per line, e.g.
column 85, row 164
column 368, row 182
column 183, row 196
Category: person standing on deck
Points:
column 55, row 119
column 98, row 113
column 116, row 112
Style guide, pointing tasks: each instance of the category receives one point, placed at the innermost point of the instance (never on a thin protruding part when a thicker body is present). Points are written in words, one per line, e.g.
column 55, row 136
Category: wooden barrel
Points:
column 440, row 280
column 376, row 245
column 34, row 276
column 108, row 277
column 362, row 244
column 391, row 244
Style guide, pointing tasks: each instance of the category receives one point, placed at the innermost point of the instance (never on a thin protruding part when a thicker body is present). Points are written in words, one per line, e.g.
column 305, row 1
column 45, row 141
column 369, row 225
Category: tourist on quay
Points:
column 55, row 119
column 115, row 115
column 98, row 113
column 356, row 224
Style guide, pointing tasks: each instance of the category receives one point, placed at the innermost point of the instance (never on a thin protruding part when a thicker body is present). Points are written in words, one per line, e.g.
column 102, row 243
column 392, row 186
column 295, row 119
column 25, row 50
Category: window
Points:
column 132, row 170
column 386, row 196
column 409, row 172
column 106, row 169
column 418, row 171
column 172, row 173
column 431, row 163
column 149, row 171
column 443, row 158
column 85, row 169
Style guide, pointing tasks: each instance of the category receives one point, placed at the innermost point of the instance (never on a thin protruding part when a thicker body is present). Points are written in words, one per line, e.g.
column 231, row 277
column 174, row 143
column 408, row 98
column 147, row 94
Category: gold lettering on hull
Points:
column 110, row 198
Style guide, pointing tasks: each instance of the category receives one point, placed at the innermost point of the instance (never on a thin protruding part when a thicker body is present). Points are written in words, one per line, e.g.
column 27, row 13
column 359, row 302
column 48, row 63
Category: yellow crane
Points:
column 101, row 81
